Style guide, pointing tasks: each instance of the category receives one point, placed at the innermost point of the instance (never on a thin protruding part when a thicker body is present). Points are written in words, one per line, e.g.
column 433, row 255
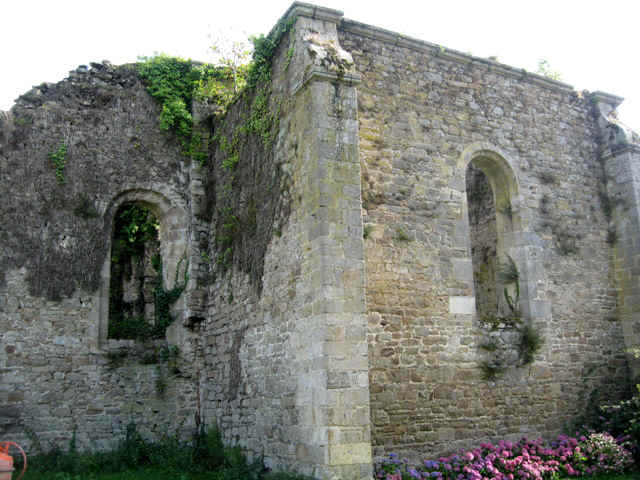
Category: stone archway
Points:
column 172, row 236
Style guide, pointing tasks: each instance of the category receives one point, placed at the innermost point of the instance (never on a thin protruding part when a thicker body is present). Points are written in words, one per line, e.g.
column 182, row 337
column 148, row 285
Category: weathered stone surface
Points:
column 425, row 114
column 348, row 322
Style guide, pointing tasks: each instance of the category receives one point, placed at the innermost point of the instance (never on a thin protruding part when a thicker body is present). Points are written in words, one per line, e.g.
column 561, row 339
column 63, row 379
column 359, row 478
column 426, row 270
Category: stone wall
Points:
column 424, row 113
column 330, row 305
column 59, row 372
column 286, row 359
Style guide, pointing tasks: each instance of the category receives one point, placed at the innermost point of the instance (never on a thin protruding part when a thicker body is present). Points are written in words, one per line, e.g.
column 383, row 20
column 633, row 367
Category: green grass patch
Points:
column 202, row 457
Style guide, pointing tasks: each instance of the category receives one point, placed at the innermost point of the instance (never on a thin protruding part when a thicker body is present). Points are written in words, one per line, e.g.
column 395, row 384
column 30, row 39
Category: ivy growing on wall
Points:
column 175, row 82
column 59, row 159
column 137, row 277
column 250, row 131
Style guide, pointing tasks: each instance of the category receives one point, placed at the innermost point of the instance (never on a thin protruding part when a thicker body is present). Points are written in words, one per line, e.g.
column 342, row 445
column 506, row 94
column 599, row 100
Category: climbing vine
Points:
column 59, row 159
column 137, row 277
column 251, row 131
column 175, row 82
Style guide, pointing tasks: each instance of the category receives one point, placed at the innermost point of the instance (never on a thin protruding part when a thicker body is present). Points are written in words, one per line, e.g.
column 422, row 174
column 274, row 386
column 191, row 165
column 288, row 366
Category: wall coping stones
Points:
column 405, row 41
column 302, row 9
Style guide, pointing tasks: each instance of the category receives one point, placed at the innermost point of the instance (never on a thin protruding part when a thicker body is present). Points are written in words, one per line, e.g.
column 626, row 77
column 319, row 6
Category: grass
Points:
column 155, row 474
column 628, row 476
column 203, row 457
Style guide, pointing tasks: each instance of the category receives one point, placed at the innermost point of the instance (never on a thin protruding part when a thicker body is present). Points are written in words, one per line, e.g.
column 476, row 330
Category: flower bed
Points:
column 527, row 459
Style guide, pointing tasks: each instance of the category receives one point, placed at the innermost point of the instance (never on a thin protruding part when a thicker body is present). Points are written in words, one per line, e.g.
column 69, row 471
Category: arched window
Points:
column 483, row 239
column 506, row 266
column 136, row 274
column 491, row 189
column 145, row 273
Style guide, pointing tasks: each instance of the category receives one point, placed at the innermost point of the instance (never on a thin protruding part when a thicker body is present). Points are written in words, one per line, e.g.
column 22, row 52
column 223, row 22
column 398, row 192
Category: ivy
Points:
column 134, row 227
column 175, row 83
column 264, row 49
column 258, row 126
column 59, row 159
column 135, row 239
column 171, row 81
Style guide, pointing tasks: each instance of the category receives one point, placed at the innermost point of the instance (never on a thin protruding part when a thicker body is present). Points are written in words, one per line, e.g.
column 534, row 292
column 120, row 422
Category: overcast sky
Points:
column 593, row 44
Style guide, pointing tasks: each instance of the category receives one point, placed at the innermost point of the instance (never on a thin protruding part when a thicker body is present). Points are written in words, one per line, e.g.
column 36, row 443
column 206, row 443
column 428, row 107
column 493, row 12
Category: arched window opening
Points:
column 490, row 187
column 484, row 241
column 139, row 305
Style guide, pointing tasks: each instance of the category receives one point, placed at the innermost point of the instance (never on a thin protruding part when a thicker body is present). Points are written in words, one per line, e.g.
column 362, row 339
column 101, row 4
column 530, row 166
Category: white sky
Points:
column 593, row 44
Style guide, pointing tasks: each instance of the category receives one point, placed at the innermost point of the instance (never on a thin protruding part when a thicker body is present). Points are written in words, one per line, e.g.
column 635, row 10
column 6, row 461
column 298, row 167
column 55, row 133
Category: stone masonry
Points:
column 347, row 326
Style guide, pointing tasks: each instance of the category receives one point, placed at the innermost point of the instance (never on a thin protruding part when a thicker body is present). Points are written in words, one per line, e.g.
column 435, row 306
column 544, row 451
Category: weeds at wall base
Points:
column 204, row 455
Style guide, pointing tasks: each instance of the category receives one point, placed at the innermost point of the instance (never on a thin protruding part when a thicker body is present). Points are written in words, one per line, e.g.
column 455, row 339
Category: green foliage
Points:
column 264, row 49
column 59, row 159
column 171, row 81
column 220, row 84
column 508, row 274
column 256, row 128
column 492, row 369
column 136, row 232
column 491, row 345
column 619, row 419
column 544, row 68
column 174, row 83
column 233, row 56
column 402, row 236
column 202, row 457
column 134, row 227
column 531, row 342
column 366, row 231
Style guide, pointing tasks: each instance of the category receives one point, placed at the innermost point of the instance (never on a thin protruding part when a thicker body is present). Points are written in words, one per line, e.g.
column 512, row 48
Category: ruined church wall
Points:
column 57, row 373
column 285, row 354
column 421, row 110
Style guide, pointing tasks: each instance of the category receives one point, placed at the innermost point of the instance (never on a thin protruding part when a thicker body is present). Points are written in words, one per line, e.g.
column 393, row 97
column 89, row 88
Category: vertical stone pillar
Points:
column 333, row 391
column 620, row 154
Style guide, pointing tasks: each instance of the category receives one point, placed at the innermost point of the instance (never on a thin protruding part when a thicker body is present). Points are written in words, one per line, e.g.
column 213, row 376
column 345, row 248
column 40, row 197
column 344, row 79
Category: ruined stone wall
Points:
column 313, row 338
column 424, row 112
column 59, row 373
column 285, row 354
